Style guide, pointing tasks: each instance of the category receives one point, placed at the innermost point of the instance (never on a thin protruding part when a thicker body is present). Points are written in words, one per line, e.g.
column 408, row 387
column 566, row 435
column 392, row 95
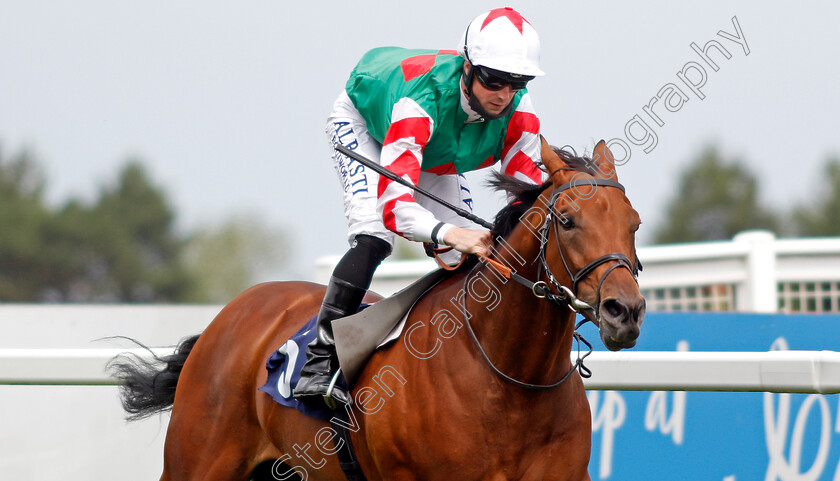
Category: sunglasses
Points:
column 497, row 80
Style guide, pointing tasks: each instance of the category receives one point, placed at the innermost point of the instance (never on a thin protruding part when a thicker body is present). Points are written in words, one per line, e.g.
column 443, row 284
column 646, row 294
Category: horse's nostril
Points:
column 614, row 308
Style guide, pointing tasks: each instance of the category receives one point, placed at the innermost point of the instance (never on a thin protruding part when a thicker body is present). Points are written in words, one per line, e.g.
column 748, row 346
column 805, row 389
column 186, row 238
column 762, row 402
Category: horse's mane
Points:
column 526, row 193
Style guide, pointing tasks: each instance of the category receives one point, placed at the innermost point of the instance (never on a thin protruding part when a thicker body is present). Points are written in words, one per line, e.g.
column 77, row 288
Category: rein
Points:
column 567, row 296
column 585, row 372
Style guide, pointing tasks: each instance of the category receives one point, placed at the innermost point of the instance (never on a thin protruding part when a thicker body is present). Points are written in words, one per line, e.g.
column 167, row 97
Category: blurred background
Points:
column 173, row 153
column 158, row 152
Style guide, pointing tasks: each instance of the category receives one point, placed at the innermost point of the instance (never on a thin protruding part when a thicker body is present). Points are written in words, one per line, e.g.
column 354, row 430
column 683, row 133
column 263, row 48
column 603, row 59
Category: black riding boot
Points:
column 342, row 299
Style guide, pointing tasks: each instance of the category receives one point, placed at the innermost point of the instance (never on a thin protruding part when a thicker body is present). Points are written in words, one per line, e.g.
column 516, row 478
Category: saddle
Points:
column 358, row 336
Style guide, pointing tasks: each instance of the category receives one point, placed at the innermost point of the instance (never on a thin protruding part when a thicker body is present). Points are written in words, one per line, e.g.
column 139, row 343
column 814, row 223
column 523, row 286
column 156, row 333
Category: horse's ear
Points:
column 604, row 160
column 550, row 159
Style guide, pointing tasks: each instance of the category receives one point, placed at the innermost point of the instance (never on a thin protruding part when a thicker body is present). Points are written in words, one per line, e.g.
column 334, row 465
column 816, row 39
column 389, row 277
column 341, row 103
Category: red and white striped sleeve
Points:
column 402, row 154
column 522, row 146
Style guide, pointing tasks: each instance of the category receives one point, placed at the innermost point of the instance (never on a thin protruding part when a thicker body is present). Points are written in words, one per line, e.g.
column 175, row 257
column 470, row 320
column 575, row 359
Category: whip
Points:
column 387, row 173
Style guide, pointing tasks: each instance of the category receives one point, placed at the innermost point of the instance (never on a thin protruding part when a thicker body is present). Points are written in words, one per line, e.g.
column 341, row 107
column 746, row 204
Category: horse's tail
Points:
column 148, row 386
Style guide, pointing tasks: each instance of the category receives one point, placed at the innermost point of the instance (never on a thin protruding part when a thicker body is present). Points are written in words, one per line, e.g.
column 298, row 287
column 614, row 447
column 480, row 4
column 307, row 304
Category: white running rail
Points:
column 773, row 371
column 63, row 367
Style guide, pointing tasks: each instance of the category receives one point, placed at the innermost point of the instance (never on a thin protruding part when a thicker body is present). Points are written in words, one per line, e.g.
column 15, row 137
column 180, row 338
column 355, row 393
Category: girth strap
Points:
column 346, row 457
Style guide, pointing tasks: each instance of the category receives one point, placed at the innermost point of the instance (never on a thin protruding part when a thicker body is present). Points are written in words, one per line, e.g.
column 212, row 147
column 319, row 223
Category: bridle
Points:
column 553, row 219
column 567, row 296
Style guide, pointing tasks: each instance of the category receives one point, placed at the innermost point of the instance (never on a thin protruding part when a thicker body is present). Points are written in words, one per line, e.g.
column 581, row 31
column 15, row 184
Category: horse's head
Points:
column 590, row 241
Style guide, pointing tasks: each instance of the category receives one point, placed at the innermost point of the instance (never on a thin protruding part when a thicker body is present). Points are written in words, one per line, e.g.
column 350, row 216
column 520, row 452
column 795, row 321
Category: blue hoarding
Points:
column 719, row 436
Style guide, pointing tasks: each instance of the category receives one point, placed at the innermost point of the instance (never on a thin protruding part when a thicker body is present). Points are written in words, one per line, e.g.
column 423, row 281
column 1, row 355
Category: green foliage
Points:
column 23, row 221
column 225, row 260
column 715, row 200
column 122, row 248
column 407, row 250
column 821, row 217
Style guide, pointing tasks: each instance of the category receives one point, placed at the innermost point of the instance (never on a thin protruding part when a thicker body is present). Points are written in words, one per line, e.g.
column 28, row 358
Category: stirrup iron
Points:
column 328, row 399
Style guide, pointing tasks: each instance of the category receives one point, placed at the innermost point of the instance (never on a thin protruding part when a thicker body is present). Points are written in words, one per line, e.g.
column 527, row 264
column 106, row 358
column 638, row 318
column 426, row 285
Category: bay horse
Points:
column 480, row 387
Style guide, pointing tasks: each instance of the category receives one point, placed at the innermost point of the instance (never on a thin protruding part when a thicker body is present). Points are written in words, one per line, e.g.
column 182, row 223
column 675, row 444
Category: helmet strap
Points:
column 473, row 101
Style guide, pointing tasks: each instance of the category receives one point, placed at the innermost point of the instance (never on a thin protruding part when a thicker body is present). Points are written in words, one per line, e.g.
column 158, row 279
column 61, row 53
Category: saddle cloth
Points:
column 356, row 338
column 284, row 367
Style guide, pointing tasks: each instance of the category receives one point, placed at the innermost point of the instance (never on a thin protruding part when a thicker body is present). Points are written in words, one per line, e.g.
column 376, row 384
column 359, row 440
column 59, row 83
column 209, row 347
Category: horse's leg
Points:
column 214, row 434
column 213, row 446
column 303, row 443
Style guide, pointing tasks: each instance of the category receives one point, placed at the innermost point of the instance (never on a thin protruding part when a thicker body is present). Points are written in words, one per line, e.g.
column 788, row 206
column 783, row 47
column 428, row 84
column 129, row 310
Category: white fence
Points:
column 775, row 371
column 77, row 431
column 754, row 272
column 63, row 418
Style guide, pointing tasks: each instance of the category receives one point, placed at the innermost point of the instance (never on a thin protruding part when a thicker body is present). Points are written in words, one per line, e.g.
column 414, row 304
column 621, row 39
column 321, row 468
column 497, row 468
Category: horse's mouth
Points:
column 614, row 344
column 621, row 321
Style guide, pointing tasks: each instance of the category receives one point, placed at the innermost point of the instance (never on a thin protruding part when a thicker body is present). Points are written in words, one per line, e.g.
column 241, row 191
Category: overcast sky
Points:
column 226, row 101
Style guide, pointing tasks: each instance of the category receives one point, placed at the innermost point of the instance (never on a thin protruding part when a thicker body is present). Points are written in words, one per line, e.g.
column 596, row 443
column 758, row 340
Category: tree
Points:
column 124, row 247
column 23, row 219
column 821, row 216
column 227, row 259
column 715, row 200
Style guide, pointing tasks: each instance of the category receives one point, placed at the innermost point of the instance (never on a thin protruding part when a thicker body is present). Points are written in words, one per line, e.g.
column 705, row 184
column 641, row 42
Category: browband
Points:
column 590, row 181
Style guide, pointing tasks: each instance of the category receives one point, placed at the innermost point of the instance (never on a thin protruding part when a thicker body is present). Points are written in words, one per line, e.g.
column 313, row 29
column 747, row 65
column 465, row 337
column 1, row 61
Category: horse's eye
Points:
column 567, row 223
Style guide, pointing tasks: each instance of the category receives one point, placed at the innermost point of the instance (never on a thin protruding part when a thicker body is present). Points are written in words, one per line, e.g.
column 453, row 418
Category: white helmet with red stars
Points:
column 502, row 39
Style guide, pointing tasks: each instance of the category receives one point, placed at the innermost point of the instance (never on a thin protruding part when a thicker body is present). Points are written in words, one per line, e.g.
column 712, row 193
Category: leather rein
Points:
column 566, row 296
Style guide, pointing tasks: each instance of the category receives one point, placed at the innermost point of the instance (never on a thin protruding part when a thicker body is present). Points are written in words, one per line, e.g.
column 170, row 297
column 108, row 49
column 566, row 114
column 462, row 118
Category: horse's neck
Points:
column 524, row 336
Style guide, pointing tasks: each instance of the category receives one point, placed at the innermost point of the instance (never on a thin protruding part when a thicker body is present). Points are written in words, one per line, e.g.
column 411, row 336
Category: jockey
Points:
column 428, row 116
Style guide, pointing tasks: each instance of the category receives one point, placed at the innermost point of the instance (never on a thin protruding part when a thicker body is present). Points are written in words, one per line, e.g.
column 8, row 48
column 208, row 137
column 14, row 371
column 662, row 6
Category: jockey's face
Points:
column 494, row 101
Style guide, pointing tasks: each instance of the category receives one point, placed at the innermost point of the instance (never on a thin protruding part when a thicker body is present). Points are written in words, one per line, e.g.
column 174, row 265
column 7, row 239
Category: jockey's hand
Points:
column 469, row 241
